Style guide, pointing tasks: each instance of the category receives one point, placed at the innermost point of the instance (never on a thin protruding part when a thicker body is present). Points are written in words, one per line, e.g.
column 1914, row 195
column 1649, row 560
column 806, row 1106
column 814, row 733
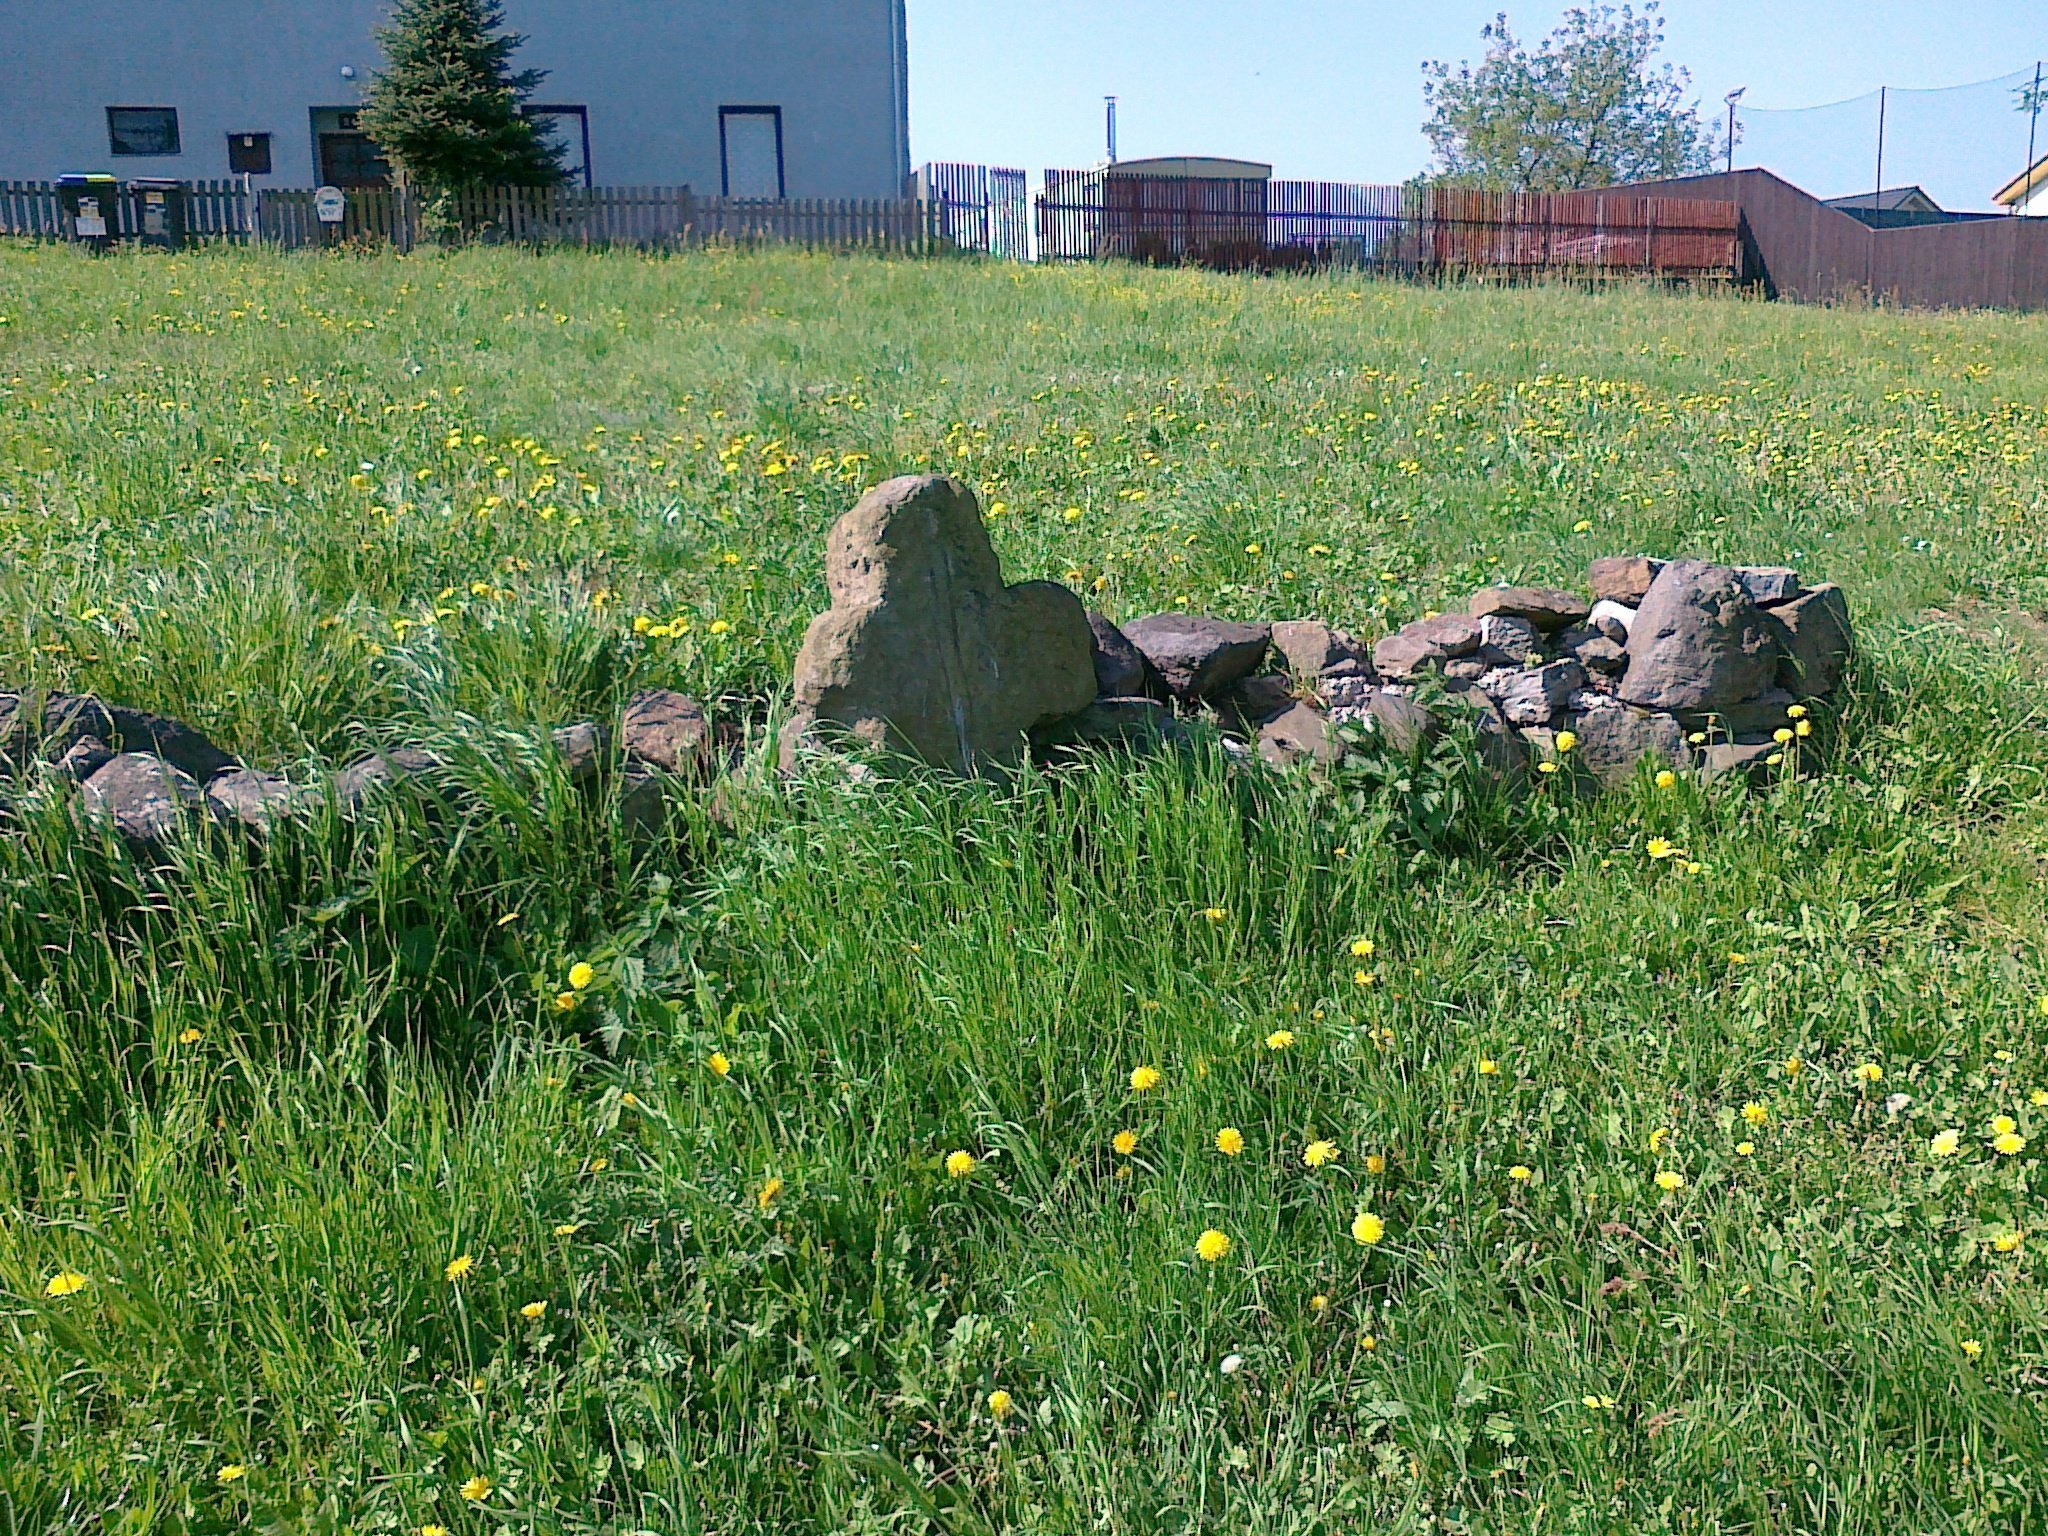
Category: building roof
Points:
column 1889, row 200
column 2016, row 190
column 1197, row 167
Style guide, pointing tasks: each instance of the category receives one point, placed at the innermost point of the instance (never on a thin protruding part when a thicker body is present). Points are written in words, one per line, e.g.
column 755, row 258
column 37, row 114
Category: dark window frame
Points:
column 114, row 134
column 725, row 113
column 558, row 110
column 262, row 143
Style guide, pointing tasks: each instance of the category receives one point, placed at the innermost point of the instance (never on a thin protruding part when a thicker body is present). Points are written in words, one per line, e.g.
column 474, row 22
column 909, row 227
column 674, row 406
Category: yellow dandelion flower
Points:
column 1124, row 1143
column 1946, row 1144
column 190, row 1037
column 1363, row 978
column 1000, row 1404
column 959, row 1164
column 1211, row 1246
column 477, row 1489
column 1597, row 1402
column 1368, row 1343
column 1362, row 948
column 2010, row 1144
column 1317, row 1153
column 534, row 1311
column 2038, row 1098
column 233, row 1472
column 430, row 1529
column 1546, row 767
column 1745, row 1149
column 1782, row 735
column 1659, row 848
column 1488, row 1067
column 2002, row 1124
column 1795, row 712
column 1144, row 1079
column 2007, row 1242
column 1754, row 1113
column 1665, row 778
column 1215, row 914
column 1230, row 1141
column 1375, row 1163
column 1670, row 1182
column 1565, row 740
column 1794, row 1066
column 1367, row 1228
column 1521, row 1173
column 1280, row 1040
column 719, row 1063
column 1870, row 1072
column 458, row 1266
column 1659, row 1137
column 564, row 1001
column 1319, row 1304
column 581, row 975
column 1972, row 1348
column 568, row 1228
column 768, row 1191
column 66, row 1282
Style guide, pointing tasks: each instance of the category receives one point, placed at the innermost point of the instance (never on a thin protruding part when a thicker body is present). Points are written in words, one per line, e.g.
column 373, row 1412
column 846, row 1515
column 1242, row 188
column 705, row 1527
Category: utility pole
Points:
column 2033, row 121
column 1731, row 98
column 1109, row 113
column 1877, row 193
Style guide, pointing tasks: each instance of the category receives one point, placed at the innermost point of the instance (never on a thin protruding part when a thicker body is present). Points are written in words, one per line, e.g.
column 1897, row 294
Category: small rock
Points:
column 1425, row 644
column 925, row 649
column 1593, row 650
column 1545, row 607
column 1612, row 619
column 256, row 800
column 1354, row 691
column 1312, row 650
column 582, row 750
column 1698, row 642
column 85, row 757
column 1300, row 734
column 1251, row 701
column 144, row 798
column 1394, row 717
column 1531, row 695
column 1814, row 639
column 1121, row 670
column 1198, row 657
column 1613, row 740
column 1622, row 578
column 1750, row 759
column 363, row 778
column 1467, row 669
column 1768, row 585
column 1508, row 642
column 667, row 730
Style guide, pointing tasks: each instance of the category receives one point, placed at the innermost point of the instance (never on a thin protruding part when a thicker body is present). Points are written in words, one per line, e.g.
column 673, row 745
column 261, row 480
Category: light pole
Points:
column 1731, row 98
column 1109, row 115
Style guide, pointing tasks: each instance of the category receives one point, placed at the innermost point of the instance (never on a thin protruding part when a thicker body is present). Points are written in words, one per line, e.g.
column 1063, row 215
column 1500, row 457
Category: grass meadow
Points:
column 861, row 1185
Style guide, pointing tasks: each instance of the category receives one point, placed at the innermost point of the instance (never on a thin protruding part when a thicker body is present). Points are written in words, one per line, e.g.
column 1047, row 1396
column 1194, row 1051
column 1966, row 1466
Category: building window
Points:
column 343, row 155
column 249, row 154
column 569, row 127
column 142, row 130
column 750, row 151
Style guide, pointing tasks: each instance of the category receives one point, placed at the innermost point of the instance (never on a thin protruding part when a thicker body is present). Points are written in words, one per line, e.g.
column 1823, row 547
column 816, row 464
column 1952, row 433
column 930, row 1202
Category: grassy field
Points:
column 322, row 1208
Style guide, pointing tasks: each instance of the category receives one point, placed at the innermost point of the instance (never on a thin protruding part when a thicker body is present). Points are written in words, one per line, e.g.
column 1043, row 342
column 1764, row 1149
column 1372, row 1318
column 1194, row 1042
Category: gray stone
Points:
column 1763, row 714
column 925, row 650
column 1351, row 690
column 1198, row 657
column 1622, row 578
column 1251, row 701
column 84, row 758
column 1508, row 642
column 1299, row 735
column 1814, row 640
column 1142, row 724
column 144, row 798
column 1393, row 717
column 1121, row 670
column 1547, row 608
column 1593, row 650
column 1531, row 695
column 49, row 725
column 1768, row 585
column 1312, row 650
column 581, row 748
column 362, row 779
column 1698, row 642
column 1466, row 669
column 663, row 729
column 1425, row 645
column 257, row 800
column 643, row 804
column 1750, row 759
column 1613, row 739
column 1612, row 619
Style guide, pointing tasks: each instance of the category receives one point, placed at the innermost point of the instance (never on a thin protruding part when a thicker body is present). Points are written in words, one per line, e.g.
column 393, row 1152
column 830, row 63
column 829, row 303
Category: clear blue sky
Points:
column 1331, row 89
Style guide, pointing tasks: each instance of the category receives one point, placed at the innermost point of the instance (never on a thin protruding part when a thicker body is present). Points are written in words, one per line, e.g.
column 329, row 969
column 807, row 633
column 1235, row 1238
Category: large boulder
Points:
column 1622, row 578
column 144, row 798
column 255, row 799
column 1196, row 656
column 1300, row 734
column 1121, row 670
column 1395, row 718
column 49, row 725
column 666, row 730
column 1545, row 607
column 1613, row 739
column 1814, row 640
column 1531, row 695
column 925, row 650
column 1698, row 641
column 1425, row 645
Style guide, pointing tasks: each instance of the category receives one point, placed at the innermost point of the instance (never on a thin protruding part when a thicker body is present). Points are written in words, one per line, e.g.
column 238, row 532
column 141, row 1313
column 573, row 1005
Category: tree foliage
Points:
column 446, row 107
column 1586, row 107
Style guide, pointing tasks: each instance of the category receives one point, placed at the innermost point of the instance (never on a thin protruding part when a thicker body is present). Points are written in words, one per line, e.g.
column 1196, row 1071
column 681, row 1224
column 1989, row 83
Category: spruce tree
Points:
column 445, row 107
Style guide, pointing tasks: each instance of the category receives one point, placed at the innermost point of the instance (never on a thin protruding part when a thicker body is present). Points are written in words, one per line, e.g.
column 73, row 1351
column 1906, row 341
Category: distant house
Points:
column 2026, row 192
column 801, row 98
column 1892, row 208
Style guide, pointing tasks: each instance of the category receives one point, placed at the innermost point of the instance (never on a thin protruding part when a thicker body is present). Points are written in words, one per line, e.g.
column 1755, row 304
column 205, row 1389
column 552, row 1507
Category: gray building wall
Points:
column 651, row 73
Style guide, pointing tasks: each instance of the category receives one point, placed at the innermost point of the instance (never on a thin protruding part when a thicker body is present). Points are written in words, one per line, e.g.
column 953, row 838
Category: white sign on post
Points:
column 329, row 204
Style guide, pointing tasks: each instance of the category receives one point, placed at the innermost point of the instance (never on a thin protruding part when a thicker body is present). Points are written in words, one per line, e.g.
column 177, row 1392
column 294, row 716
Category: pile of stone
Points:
column 926, row 651
column 151, row 779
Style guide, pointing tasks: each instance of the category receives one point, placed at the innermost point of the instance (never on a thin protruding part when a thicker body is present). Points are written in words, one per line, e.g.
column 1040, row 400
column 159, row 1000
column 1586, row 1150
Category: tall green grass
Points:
column 262, row 1098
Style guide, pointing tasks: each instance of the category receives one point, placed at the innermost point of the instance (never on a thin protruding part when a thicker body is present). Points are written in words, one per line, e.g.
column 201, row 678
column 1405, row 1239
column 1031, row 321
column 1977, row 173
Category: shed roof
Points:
column 1889, row 200
column 2017, row 189
column 1194, row 167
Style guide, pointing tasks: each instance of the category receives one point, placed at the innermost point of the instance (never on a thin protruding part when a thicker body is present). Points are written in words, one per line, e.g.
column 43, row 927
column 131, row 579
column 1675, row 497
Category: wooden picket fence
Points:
column 646, row 217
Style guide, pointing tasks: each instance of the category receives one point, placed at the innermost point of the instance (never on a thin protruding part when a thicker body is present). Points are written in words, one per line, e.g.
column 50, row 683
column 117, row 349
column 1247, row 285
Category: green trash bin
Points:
column 158, row 208
column 90, row 204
